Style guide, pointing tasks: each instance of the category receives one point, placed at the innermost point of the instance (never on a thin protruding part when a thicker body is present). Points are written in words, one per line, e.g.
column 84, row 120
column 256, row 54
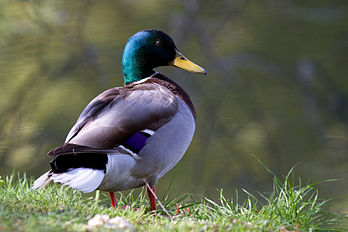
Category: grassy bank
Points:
column 289, row 207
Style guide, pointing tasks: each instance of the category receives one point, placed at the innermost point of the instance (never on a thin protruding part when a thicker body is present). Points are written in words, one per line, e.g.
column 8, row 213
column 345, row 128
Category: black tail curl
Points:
column 74, row 156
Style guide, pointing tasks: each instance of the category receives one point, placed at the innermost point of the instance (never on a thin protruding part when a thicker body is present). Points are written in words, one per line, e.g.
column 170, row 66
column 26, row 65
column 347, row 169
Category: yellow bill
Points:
column 182, row 62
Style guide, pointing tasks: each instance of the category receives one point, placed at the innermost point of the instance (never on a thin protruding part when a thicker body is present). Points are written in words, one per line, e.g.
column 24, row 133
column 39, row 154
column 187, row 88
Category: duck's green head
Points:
column 149, row 49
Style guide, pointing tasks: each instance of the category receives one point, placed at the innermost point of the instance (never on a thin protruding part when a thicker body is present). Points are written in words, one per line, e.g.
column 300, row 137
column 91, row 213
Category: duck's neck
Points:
column 134, row 66
column 133, row 73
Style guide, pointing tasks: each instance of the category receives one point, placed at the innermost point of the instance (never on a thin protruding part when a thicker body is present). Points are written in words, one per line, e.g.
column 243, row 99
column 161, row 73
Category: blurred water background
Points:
column 277, row 84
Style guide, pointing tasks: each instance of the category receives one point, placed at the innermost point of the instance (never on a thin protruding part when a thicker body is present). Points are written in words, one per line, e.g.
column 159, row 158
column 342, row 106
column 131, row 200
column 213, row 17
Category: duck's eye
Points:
column 159, row 43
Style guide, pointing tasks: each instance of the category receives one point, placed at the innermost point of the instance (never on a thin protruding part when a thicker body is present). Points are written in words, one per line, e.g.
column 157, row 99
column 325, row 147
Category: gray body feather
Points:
column 161, row 153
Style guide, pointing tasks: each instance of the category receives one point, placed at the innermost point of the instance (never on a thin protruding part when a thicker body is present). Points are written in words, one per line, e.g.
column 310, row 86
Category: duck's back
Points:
column 174, row 88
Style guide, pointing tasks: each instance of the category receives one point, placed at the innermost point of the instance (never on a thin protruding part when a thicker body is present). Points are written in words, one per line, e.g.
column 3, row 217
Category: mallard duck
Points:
column 130, row 136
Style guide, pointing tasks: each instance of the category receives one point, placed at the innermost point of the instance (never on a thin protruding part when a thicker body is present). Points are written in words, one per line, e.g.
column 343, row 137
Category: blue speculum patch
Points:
column 137, row 141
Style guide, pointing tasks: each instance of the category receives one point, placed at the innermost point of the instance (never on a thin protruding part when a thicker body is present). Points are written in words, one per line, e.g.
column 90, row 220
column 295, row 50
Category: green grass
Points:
column 57, row 208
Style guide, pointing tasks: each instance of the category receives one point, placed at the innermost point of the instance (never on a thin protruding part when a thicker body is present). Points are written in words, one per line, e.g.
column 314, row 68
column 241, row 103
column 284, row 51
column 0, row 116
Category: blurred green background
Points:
column 277, row 84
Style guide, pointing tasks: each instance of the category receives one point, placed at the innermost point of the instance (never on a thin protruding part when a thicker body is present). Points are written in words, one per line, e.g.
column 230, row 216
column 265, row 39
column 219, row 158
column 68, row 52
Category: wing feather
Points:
column 113, row 116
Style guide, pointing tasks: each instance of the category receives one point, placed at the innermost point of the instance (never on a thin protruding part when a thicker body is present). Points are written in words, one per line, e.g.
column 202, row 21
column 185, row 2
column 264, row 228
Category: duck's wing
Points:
column 118, row 113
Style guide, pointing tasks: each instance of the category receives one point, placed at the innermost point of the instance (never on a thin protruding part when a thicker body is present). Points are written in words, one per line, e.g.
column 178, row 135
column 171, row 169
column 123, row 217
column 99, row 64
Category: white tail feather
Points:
column 83, row 179
column 42, row 181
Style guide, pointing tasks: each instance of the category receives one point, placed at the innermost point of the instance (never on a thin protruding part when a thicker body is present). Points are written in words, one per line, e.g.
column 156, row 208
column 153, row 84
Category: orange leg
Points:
column 151, row 192
column 113, row 199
